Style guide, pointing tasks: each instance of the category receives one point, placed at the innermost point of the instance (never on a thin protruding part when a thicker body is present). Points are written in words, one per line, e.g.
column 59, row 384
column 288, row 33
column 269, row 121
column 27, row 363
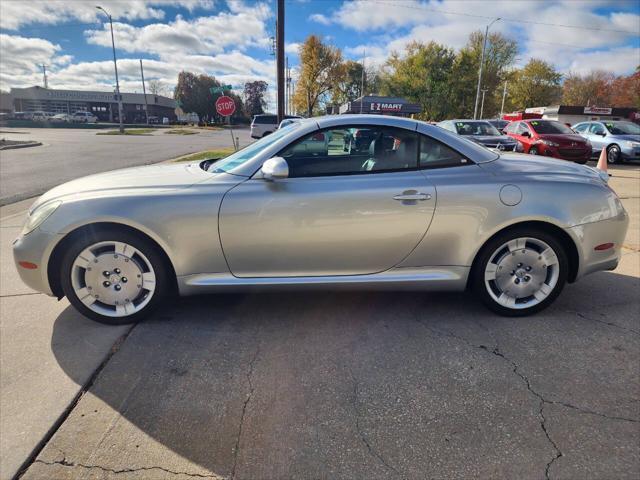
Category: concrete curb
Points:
column 22, row 145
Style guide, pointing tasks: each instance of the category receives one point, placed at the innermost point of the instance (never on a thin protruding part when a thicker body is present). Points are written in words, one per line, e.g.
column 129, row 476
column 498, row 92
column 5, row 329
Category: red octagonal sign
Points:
column 225, row 106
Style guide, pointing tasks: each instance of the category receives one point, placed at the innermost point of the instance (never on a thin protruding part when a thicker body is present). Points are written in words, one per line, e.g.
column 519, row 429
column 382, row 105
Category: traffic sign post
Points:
column 225, row 106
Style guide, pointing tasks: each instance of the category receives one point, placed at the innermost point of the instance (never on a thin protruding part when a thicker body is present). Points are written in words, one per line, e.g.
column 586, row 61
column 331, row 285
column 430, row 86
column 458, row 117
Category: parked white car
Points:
column 41, row 116
column 264, row 124
column 61, row 118
column 84, row 117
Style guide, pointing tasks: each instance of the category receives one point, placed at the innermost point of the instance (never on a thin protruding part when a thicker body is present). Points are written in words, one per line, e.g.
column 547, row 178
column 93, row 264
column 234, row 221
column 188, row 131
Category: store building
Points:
column 573, row 114
column 103, row 105
column 379, row 105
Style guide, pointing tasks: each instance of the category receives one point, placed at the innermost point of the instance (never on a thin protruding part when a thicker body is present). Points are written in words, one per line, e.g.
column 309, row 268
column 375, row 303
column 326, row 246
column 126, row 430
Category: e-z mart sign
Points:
column 225, row 106
column 385, row 107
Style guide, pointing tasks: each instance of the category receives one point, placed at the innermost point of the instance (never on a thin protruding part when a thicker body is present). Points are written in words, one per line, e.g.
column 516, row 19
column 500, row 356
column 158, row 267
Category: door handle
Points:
column 412, row 196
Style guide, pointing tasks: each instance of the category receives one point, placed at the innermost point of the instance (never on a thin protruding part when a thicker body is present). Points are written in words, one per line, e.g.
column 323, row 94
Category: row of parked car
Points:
column 77, row 117
column 578, row 143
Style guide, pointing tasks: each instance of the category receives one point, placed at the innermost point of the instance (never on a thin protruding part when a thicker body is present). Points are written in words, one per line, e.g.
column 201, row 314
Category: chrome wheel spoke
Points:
column 148, row 280
column 491, row 271
column 549, row 257
column 85, row 296
column 506, row 300
column 516, row 244
column 543, row 292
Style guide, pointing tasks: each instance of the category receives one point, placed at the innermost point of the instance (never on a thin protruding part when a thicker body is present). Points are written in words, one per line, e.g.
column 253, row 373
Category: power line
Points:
column 513, row 20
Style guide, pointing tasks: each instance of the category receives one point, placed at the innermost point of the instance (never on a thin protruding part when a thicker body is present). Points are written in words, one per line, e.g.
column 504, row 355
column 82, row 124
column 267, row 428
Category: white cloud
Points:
column 292, row 47
column 16, row 14
column 424, row 21
column 241, row 27
column 320, row 18
column 616, row 59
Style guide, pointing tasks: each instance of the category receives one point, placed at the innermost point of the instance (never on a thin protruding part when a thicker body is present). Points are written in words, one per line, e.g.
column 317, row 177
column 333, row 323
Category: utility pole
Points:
column 362, row 80
column 504, row 95
column 280, row 58
column 484, row 90
column 144, row 91
column 287, row 94
column 484, row 46
column 115, row 66
column 44, row 76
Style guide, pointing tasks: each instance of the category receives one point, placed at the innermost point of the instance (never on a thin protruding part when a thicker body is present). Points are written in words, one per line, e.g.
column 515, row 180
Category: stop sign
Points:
column 225, row 106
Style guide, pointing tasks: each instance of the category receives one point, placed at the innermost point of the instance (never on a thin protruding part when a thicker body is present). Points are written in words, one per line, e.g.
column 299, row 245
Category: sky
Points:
column 231, row 39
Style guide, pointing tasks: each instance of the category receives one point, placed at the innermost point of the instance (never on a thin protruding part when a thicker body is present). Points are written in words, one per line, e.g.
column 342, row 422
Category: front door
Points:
column 354, row 203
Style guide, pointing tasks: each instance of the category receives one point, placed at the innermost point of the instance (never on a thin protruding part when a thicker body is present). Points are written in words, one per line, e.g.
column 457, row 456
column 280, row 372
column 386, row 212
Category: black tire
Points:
column 613, row 154
column 480, row 289
column 265, row 134
column 534, row 151
column 163, row 272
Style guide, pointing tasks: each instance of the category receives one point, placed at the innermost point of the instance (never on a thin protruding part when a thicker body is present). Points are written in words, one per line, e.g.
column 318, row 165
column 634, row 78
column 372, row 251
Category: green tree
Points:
column 500, row 54
column 537, row 84
column 321, row 68
column 193, row 93
column 254, row 102
column 422, row 75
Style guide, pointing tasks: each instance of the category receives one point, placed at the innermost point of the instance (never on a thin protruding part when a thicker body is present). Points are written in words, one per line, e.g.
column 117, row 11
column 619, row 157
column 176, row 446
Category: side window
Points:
column 511, row 128
column 352, row 150
column 522, row 128
column 596, row 129
column 581, row 128
column 435, row 154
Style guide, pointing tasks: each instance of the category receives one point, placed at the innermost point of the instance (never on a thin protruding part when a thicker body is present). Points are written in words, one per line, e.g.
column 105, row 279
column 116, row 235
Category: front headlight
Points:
column 633, row 144
column 550, row 143
column 39, row 215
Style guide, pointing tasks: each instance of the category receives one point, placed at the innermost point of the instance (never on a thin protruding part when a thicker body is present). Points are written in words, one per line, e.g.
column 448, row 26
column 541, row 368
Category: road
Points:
column 359, row 385
column 32, row 171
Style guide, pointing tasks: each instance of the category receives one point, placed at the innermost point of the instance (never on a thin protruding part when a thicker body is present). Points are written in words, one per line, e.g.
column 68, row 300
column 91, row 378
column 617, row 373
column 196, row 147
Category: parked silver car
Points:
column 420, row 208
column 621, row 139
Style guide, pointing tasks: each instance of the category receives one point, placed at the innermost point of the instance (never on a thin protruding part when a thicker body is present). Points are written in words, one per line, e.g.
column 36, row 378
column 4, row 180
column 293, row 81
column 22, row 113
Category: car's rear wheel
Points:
column 114, row 276
column 533, row 151
column 520, row 272
column 613, row 154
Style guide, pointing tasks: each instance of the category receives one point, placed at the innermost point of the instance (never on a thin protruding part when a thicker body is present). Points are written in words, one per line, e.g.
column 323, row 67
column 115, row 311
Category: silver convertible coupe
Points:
column 416, row 207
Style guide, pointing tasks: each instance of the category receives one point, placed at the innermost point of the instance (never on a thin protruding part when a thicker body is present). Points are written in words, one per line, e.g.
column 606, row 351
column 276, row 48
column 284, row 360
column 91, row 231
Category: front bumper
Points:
column 630, row 153
column 35, row 247
column 590, row 235
column 573, row 155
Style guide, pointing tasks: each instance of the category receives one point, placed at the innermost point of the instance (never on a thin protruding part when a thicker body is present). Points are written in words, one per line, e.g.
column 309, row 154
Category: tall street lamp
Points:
column 115, row 66
column 484, row 46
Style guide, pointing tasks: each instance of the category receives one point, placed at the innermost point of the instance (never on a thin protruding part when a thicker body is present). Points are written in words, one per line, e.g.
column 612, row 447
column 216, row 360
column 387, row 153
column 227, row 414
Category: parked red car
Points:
column 550, row 138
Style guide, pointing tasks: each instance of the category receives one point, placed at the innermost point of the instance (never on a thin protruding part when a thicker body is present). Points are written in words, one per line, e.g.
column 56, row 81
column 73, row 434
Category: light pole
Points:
column 484, row 46
column 484, row 90
column 115, row 66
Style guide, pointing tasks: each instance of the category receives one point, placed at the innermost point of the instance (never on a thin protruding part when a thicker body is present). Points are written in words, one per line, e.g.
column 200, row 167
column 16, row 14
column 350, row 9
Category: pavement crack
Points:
column 604, row 322
column 236, row 449
column 374, row 453
column 65, row 463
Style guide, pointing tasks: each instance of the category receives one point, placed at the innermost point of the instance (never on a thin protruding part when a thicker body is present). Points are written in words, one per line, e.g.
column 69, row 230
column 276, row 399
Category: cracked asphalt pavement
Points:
column 360, row 385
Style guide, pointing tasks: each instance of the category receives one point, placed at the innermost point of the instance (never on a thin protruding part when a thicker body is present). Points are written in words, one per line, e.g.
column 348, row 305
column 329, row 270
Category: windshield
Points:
column 623, row 128
column 550, row 127
column 238, row 158
column 476, row 128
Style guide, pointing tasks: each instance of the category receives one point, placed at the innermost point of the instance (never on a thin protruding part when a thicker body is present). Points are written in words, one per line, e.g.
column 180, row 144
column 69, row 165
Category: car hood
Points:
column 522, row 164
column 634, row 138
column 144, row 179
column 564, row 139
column 491, row 138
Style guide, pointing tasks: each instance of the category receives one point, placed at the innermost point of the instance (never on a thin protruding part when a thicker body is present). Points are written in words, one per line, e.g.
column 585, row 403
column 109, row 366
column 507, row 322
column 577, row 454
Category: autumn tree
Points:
column 193, row 94
column 321, row 67
column 625, row 90
column 593, row 88
column 254, row 101
column 537, row 84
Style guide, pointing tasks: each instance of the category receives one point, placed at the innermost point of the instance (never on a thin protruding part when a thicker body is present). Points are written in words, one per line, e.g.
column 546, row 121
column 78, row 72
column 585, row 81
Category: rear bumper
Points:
column 590, row 235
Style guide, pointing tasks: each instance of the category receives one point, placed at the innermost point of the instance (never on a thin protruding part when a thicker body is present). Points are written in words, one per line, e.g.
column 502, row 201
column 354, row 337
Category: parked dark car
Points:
column 482, row 132
column 550, row 138
column 498, row 123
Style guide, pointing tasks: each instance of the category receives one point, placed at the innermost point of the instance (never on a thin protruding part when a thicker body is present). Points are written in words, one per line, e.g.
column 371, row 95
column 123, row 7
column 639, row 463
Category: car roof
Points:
column 354, row 119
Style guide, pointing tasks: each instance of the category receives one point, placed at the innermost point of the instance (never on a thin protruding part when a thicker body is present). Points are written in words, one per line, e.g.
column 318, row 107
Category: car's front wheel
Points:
column 613, row 154
column 114, row 276
column 533, row 151
column 520, row 272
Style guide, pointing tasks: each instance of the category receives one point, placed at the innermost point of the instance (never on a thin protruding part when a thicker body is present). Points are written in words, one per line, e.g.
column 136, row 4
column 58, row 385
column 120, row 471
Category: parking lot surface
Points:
column 333, row 385
column 31, row 171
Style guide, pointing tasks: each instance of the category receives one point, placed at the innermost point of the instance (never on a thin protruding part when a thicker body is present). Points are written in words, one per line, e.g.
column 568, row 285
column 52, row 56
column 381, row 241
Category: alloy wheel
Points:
column 521, row 273
column 113, row 279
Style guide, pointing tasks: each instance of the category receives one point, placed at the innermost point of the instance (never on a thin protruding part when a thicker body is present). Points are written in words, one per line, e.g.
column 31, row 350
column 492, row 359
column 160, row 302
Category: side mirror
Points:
column 526, row 134
column 603, row 134
column 275, row 168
